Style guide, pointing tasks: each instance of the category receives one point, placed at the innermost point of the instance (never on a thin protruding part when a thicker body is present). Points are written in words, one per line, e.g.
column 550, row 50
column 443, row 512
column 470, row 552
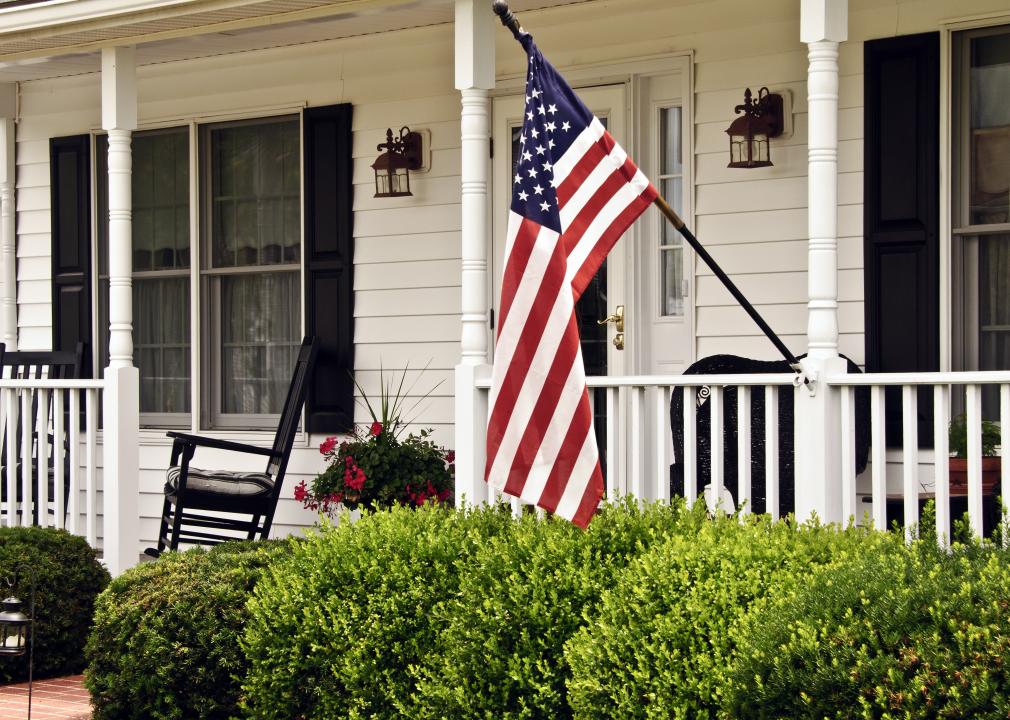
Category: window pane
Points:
column 670, row 162
column 255, row 194
column 990, row 129
column 673, row 285
column 993, row 312
column 259, row 340
column 672, row 191
column 162, row 343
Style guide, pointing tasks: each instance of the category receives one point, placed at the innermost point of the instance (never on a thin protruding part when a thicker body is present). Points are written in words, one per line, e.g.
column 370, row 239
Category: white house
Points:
column 186, row 186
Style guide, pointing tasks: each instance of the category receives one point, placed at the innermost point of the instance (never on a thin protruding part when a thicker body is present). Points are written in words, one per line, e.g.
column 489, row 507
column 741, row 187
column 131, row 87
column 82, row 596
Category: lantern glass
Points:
column 13, row 628
column 737, row 150
column 761, row 154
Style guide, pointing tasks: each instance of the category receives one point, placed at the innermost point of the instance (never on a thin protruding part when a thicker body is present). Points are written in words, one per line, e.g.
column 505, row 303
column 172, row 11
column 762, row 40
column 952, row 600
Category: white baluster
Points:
column 848, row 400
column 717, row 441
column 27, row 496
column 59, row 456
column 635, row 449
column 878, row 460
column 11, row 418
column 42, row 452
column 690, row 458
column 90, row 455
column 941, row 461
column 73, row 507
column 743, row 449
column 910, row 457
column 662, row 439
column 772, row 451
column 973, row 407
column 613, row 487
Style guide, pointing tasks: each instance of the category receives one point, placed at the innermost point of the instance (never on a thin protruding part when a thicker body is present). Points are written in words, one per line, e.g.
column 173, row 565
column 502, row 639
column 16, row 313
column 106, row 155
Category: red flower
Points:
column 450, row 457
column 355, row 482
column 376, row 429
column 301, row 492
column 444, row 495
column 327, row 445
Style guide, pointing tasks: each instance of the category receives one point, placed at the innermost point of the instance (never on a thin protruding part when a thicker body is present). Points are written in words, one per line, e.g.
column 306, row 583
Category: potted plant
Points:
column 958, row 437
column 375, row 466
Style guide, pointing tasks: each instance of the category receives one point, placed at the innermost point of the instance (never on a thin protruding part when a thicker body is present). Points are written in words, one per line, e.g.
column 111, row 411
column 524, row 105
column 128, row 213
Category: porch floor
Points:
column 55, row 699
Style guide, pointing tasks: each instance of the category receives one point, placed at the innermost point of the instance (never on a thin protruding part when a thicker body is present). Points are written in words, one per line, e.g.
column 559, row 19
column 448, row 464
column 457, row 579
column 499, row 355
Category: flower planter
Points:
column 959, row 475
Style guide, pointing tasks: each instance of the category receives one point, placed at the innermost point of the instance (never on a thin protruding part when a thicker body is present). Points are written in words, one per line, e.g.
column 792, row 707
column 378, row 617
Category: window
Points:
column 673, row 287
column 981, row 208
column 249, row 258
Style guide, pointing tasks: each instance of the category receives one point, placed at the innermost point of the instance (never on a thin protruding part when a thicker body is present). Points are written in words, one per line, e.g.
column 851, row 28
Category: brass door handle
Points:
column 617, row 318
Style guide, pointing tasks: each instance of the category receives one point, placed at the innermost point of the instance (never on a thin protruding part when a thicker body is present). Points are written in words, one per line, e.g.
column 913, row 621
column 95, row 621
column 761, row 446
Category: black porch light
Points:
column 17, row 630
column 749, row 134
column 392, row 176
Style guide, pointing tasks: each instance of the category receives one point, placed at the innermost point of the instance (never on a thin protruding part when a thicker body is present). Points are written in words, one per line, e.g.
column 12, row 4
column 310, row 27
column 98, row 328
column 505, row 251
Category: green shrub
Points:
column 69, row 577
column 500, row 652
column 337, row 629
column 662, row 639
column 899, row 635
column 165, row 640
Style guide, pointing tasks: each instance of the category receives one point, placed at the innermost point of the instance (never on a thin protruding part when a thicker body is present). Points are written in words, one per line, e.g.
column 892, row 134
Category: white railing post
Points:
column 823, row 25
column 8, row 281
column 121, row 406
column 475, row 76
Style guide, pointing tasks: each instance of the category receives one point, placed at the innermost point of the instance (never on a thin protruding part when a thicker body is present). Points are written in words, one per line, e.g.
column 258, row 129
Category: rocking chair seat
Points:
column 221, row 485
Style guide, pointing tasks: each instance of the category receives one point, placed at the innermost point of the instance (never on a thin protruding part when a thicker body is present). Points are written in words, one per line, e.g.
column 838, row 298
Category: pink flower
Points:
column 327, row 445
column 376, row 429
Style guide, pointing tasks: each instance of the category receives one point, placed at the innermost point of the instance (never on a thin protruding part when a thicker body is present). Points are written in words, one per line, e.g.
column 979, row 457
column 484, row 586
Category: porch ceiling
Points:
column 168, row 30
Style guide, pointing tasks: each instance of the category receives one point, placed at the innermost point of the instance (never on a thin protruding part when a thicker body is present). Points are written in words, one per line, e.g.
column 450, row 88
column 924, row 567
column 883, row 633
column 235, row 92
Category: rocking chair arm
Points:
column 201, row 441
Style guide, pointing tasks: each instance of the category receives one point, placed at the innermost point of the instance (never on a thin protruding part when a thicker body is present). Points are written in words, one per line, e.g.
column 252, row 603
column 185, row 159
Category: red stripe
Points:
column 586, row 164
column 608, row 239
column 515, row 266
column 526, row 348
column 572, row 234
column 590, row 499
column 579, row 429
column 543, row 411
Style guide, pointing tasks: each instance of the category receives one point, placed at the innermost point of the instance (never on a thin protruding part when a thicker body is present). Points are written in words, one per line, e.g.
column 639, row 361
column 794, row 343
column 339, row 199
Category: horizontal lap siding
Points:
column 407, row 264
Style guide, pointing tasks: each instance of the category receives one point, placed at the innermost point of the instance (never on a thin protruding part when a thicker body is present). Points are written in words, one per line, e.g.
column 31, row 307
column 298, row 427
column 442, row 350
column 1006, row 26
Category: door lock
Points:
column 617, row 318
column 619, row 341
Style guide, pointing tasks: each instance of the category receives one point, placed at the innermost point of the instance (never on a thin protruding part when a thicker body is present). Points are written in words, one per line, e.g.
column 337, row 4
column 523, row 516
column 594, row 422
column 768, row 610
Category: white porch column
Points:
column 8, row 279
column 122, row 382
column 475, row 75
column 823, row 25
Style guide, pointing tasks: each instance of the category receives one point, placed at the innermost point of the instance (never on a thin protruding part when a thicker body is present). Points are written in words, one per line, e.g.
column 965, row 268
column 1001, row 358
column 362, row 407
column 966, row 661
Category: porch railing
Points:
column 49, row 454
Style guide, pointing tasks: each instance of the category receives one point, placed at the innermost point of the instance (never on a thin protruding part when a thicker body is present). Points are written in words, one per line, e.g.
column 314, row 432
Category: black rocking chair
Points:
column 250, row 495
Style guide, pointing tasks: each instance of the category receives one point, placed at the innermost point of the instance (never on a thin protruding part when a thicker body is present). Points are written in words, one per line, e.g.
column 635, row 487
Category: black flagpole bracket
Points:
column 508, row 18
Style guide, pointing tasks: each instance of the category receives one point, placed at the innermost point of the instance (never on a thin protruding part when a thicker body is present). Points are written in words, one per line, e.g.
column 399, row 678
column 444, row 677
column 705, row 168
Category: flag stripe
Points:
column 515, row 266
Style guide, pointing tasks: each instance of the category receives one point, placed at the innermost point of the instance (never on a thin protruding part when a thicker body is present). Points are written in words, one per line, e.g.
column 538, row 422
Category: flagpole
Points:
column 670, row 214
column 509, row 20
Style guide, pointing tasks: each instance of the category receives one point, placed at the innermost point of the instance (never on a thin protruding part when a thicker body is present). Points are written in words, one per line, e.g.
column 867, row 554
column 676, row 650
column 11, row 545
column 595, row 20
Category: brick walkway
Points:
column 56, row 699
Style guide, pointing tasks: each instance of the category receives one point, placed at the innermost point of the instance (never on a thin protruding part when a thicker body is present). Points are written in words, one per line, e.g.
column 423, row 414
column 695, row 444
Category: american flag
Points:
column 575, row 192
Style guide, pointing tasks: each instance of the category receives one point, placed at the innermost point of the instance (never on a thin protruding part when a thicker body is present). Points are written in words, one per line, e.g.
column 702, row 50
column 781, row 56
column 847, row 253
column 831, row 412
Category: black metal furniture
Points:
column 40, row 365
column 246, row 499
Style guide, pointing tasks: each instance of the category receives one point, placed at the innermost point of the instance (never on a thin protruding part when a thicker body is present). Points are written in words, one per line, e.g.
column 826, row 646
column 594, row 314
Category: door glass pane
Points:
column 671, row 162
column 990, row 129
column 672, row 285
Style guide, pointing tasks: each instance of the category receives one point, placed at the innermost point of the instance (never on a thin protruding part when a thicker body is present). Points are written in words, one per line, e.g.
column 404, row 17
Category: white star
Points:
column 545, row 206
column 540, row 109
column 529, row 115
column 566, row 126
column 523, row 195
column 552, row 109
column 547, row 166
column 527, row 99
column 554, row 182
column 535, row 133
column 538, row 190
column 550, row 143
column 536, row 93
column 551, row 127
column 527, row 157
column 540, row 149
column 522, row 139
column 519, row 178
column 533, row 172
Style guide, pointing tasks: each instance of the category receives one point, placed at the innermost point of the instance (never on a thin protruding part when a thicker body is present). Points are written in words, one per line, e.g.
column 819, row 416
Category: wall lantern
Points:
column 749, row 134
column 17, row 630
column 392, row 176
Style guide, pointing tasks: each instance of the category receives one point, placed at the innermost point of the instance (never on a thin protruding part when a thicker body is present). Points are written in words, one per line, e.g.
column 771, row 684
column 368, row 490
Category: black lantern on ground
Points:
column 17, row 630
column 749, row 134
column 392, row 168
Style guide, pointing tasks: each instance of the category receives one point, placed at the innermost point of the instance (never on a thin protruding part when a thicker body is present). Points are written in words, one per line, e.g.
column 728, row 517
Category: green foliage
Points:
column 338, row 629
column 912, row 634
column 69, row 577
column 165, row 640
column 500, row 650
column 958, row 437
column 662, row 639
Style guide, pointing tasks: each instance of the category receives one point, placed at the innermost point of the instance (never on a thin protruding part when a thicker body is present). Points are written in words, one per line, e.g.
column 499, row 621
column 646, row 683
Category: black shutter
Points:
column 901, row 214
column 329, row 265
column 70, row 183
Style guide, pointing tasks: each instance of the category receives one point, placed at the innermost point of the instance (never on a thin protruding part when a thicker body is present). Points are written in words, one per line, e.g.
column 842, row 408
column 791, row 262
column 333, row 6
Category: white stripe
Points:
column 614, row 207
column 529, row 393
column 556, row 432
column 522, row 303
column 603, row 170
column 515, row 220
column 579, row 480
column 586, row 139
